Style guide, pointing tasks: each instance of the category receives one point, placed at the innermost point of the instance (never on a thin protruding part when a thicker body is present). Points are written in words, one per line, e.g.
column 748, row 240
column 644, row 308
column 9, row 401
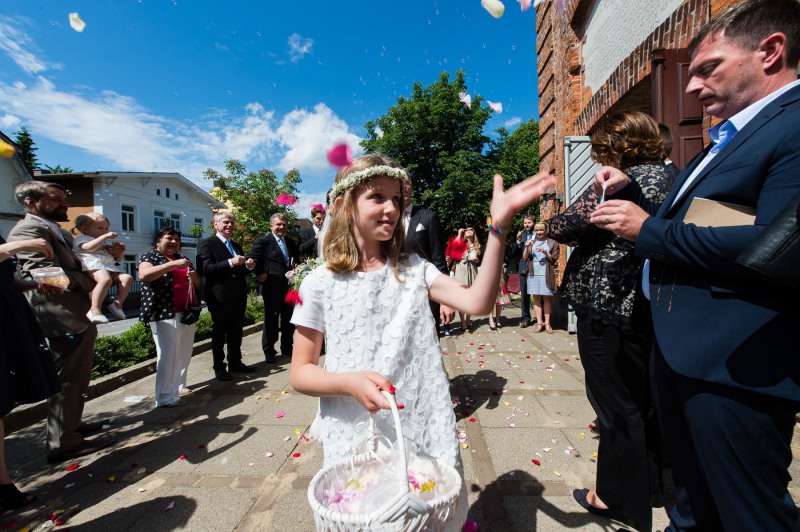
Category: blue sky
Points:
column 180, row 85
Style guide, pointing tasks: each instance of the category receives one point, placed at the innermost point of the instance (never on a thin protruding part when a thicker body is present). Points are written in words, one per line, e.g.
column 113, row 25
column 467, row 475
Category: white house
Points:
column 140, row 203
column 12, row 173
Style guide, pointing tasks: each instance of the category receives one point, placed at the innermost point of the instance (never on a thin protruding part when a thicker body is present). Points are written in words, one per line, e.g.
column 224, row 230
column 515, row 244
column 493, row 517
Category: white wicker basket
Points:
column 404, row 511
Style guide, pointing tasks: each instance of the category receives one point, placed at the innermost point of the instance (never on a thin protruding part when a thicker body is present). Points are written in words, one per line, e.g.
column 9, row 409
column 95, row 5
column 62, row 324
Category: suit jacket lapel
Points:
column 413, row 220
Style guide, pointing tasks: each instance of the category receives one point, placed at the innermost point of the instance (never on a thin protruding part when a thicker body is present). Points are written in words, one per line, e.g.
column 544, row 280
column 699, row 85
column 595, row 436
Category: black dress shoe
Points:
column 90, row 428
column 86, row 447
column 524, row 324
column 223, row 375
column 241, row 368
column 580, row 497
column 270, row 359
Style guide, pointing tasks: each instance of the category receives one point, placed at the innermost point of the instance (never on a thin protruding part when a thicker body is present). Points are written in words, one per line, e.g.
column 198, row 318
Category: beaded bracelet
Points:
column 491, row 227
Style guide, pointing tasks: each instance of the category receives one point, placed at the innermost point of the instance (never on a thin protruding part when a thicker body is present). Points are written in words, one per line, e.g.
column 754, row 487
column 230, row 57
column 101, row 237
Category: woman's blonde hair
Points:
column 340, row 247
column 473, row 241
column 543, row 225
column 82, row 221
column 627, row 139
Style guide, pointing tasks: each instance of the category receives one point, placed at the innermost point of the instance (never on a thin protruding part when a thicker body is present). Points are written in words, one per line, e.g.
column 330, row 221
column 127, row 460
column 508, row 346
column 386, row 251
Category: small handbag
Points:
column 775, row 253
column 192, row 311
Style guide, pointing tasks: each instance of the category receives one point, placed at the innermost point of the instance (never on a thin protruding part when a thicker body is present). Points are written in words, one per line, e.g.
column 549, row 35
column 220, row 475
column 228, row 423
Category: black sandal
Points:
column 13, row 499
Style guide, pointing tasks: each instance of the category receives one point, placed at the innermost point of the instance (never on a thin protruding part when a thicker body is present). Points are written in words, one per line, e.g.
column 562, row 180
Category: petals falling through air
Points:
column 561, row 5
column 494, row 7
column 524, row 4
column 496, row 107
column 285, row 199
column 76, row 22
column 340, row 156
column 465, row 98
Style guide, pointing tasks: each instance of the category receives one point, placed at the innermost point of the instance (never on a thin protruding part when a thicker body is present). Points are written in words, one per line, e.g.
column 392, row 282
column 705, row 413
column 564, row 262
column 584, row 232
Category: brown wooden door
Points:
column 679, row 111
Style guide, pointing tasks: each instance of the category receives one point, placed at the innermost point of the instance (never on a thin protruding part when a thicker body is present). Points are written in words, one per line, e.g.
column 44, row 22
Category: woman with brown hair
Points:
column 614, row 330
column 467, row 267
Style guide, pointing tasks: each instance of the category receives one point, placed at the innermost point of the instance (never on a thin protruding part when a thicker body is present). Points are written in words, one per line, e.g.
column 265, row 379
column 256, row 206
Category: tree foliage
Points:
column 251, row 196
column 26, row 148
column 516, row 156
column 58, row 169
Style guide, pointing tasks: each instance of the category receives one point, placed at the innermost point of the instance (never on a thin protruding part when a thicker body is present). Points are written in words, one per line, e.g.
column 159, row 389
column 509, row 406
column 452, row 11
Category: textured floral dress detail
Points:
column 371, row 321
column 602, row 271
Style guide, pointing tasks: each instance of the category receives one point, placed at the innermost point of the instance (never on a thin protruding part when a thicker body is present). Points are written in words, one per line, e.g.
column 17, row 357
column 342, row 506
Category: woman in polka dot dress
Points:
column 167, row 276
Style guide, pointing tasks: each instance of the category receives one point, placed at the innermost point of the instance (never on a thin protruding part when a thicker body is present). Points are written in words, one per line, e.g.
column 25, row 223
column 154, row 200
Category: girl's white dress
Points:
column 374, row 322
column 94, row 260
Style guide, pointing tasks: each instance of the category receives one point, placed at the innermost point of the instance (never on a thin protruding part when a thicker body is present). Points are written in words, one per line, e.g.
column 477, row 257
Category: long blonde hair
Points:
column 340, row 247
column 473, row 241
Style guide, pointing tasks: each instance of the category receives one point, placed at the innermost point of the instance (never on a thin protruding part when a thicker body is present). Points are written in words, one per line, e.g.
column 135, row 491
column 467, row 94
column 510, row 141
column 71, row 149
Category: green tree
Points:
column 26, row 148
column 58, row 169
column 251, row 196
column 430, row 131
column 515, row 156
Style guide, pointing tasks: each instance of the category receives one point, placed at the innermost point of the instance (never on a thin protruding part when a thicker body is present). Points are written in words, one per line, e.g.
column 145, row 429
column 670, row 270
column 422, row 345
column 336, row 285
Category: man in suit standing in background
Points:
column 62, row 317
column 519, row 246
column 224, row 268
column 274, row 255
column 725, row 365
column 424, row 237
column 310, row 237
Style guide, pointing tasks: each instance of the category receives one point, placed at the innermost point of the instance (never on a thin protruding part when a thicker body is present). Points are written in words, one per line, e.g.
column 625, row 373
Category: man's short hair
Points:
column 34, row 190
column 666, row 137
column 278, row 216
column 315, row 211
column 529, row 217
column 750, row 22
column 218, row 217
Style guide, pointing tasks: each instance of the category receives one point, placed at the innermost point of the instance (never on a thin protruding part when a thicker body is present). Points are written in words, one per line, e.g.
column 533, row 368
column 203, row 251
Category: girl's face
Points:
column 540, row 231
column 469, row 233
column 97, row 228
column 377, row 209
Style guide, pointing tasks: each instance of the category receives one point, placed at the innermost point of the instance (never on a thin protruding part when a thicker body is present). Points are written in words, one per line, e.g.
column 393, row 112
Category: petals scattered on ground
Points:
column 169, row 506
column 280, row 414
column 73, row 467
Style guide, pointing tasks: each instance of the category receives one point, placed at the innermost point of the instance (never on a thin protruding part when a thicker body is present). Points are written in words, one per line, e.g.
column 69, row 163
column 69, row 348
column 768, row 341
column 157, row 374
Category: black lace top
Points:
column 602, row 272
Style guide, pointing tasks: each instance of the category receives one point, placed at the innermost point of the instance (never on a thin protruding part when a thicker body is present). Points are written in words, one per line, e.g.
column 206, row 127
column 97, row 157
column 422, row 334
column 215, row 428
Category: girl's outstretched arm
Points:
column 307, row 377
column 480, row 297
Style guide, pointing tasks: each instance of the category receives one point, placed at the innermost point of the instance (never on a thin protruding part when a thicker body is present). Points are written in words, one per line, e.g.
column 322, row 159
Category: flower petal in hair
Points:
column 340, row 155
column 285, row 199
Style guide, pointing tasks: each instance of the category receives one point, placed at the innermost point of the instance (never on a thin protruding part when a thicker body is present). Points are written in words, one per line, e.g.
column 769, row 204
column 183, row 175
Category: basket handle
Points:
column 402, row 466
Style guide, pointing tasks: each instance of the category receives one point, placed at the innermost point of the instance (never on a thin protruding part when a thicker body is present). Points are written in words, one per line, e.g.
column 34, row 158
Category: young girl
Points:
column 467, row 267
column 91, row 249
column 370, row 302
column 542, row 256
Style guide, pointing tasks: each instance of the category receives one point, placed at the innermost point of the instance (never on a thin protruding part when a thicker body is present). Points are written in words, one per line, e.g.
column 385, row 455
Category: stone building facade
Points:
column 597, row 57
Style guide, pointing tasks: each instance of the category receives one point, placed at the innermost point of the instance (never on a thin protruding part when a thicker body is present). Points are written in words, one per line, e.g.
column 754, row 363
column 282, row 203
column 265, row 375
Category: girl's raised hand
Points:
column 507, row 203
column 365, row 387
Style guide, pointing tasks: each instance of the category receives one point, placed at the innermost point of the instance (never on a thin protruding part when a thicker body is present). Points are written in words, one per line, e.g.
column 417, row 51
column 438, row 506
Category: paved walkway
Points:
column 228, row 460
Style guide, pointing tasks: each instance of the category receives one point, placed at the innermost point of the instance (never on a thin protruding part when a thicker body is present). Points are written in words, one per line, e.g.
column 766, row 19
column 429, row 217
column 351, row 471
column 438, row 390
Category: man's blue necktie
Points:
column 282, row 245
column 230, row 248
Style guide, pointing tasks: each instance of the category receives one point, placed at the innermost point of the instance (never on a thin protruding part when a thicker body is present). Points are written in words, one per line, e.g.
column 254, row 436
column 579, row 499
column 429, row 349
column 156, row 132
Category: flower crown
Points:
column 362, row 176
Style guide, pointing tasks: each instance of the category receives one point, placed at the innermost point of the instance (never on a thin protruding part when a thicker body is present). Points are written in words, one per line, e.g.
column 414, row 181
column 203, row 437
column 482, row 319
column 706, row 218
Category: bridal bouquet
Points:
column 296, row 277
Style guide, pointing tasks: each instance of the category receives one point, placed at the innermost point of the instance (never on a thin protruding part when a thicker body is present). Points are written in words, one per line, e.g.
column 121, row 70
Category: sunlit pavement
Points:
column 235, row 456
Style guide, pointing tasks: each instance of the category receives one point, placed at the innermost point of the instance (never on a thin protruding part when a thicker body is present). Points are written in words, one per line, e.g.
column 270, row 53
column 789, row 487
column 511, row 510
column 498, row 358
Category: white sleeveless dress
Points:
column 371, row 321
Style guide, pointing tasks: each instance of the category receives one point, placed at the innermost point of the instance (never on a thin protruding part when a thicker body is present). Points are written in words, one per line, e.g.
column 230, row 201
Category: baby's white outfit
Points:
column 94, row 260
column 372, row 321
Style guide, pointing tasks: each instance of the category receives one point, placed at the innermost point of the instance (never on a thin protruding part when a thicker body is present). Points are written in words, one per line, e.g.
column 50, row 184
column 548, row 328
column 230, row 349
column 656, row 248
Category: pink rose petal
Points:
column 285, row 199
column 280, row 414
column 340, row 155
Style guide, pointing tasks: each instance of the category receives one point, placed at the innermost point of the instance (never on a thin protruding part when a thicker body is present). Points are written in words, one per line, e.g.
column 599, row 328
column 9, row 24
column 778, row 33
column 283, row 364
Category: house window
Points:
column 159, row 220
column 167, row 191
column 129, row 263
column 176, row 196
column 175, row 219
column 128, row 218
column 158, row 192
column 198, row 222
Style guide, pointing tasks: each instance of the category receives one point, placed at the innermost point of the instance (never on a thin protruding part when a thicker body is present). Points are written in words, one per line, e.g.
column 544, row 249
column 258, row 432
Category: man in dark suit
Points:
column 519, row 246
column 274, row 255
column 224, row 268
column 62, row 317
column 726, row 371
column 309, row 237
column 424, row 237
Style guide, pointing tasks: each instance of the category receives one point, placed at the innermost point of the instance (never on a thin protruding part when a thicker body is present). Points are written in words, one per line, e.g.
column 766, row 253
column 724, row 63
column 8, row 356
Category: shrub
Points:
column 254, row 312
column 202, row 327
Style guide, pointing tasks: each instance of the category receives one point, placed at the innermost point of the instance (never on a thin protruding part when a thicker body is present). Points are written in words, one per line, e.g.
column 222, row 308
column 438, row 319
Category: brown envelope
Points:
column 709, row 213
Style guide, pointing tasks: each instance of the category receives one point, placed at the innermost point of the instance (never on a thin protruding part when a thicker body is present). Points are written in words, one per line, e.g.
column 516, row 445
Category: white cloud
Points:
column 19, row 46
column 9, row 121
column 309, row 134
column 298, row 47
column 512, row 122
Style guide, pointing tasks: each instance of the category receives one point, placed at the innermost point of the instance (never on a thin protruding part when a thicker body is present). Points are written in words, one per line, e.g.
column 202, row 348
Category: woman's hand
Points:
column 180, row 263
column 365, row 387
column 193, row 276
column 505, row 204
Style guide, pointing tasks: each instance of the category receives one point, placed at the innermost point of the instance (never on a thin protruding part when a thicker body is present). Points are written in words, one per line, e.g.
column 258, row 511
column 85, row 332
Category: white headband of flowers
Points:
column 362, row 176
